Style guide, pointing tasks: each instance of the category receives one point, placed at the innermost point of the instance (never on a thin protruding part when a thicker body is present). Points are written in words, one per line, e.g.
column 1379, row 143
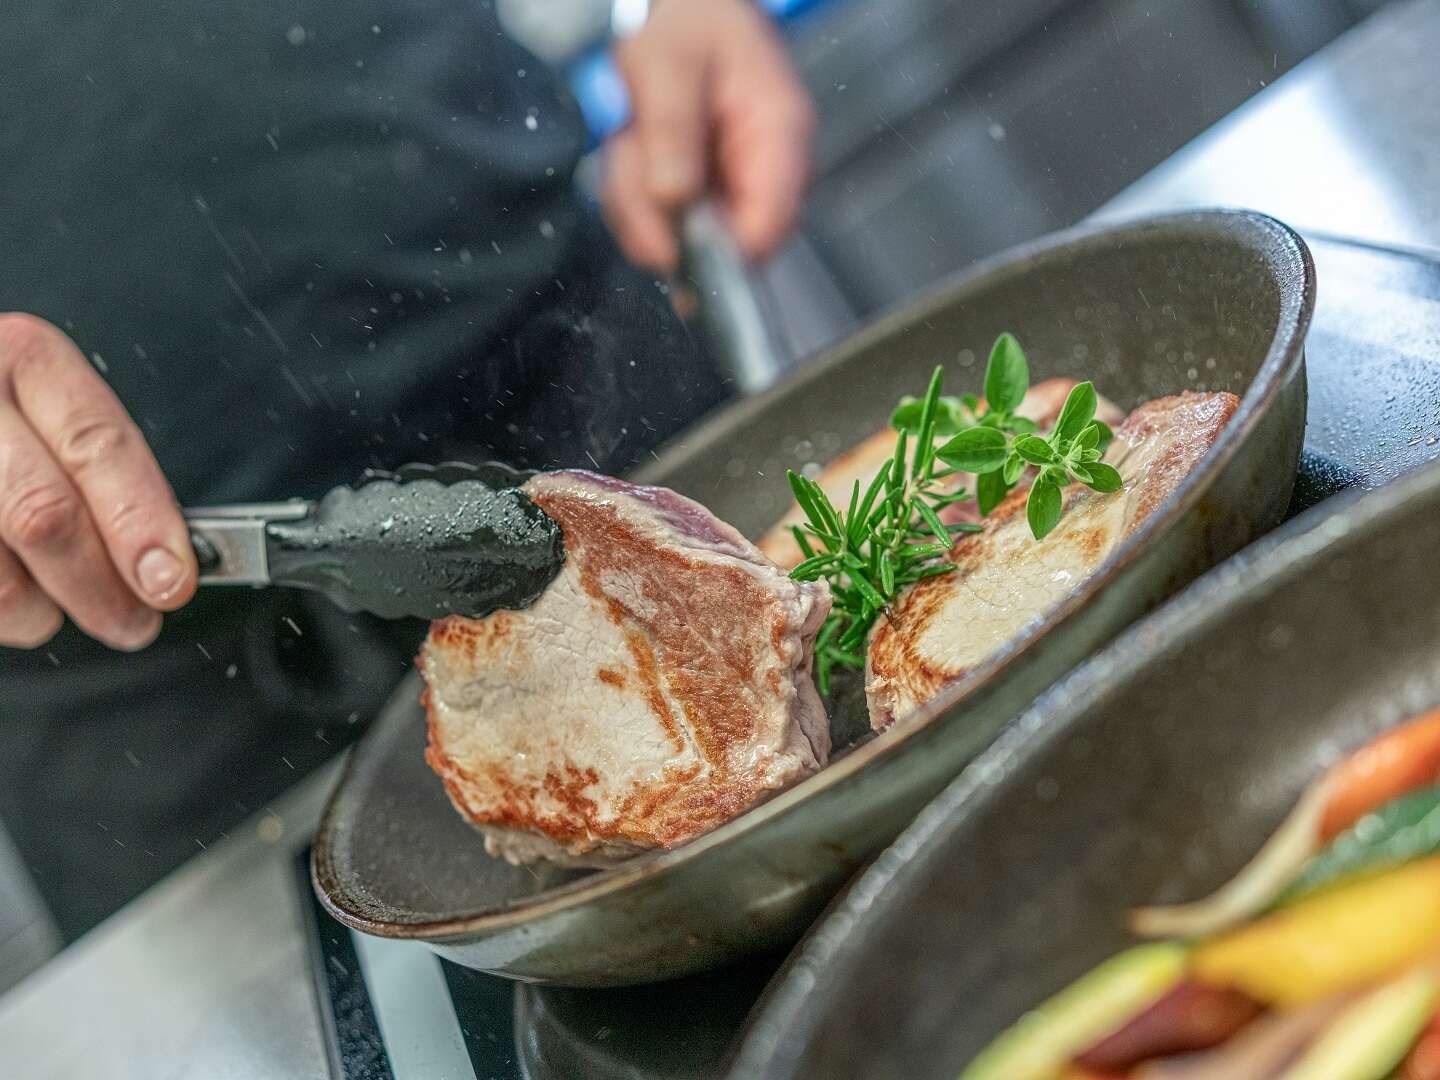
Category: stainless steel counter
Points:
column 203, row 976
column 206, row 975
column 1346, row 144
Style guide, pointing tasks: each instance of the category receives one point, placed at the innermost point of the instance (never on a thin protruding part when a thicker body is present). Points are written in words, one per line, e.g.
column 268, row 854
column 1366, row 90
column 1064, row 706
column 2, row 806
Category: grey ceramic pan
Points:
column 1208, row 300
column 1151, row 774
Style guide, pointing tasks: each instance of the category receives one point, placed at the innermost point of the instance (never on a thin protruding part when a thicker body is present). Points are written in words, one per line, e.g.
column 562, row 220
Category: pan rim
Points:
column 1289, row 262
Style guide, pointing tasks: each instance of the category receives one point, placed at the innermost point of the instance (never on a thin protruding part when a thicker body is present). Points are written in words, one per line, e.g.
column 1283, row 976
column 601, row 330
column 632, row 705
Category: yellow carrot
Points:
column 1337, row 940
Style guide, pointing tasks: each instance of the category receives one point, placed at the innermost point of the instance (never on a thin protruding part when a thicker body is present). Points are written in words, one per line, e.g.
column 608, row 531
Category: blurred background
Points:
column 952, row 129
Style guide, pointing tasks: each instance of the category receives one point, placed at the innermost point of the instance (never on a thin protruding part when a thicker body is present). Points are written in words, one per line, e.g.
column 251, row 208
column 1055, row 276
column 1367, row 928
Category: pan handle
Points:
column 735, row 317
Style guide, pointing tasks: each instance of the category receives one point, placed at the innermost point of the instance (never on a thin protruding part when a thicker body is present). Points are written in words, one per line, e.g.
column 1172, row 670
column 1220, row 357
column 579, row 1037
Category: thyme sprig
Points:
column 891, row 535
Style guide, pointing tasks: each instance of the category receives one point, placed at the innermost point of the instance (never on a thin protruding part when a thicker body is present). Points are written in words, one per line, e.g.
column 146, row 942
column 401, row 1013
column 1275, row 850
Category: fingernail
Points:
column 159, row 572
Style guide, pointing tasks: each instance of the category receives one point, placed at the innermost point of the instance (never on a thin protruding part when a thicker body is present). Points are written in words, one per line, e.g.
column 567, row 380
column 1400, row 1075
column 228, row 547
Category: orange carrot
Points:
column 1423, row 1062
column 1399, row 761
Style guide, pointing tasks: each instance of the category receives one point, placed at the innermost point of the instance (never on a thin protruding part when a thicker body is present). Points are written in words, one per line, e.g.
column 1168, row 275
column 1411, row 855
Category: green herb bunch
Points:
column 998, row 445
column 891, row 536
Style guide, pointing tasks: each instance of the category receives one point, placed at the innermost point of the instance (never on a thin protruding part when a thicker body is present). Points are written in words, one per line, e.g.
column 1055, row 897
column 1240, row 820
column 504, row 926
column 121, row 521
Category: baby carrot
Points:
column 1399, row 761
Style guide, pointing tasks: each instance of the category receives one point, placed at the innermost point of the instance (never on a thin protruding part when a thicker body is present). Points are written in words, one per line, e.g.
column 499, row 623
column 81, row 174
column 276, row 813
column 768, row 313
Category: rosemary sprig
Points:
column 891, row 535
column 886, row 539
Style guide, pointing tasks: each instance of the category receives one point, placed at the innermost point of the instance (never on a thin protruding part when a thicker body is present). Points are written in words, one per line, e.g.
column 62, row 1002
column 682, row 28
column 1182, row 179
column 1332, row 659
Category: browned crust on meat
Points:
column 718, row 716
column 569, row 791
column 510, row 804
column 1200, row 417
column 707, row 672
column 894, row 644
column 458, row 632
column 644, row 658
column 1091, row 542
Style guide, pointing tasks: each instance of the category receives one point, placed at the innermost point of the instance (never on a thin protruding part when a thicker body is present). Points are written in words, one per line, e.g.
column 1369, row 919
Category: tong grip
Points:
column 423, row 542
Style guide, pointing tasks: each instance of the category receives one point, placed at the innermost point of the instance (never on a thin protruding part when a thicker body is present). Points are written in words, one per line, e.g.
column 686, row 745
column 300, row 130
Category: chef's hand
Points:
column 88, row 525
column 713, row 99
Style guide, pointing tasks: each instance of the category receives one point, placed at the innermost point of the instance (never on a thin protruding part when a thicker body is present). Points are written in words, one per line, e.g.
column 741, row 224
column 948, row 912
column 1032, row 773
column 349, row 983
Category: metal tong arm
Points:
column 230, row 541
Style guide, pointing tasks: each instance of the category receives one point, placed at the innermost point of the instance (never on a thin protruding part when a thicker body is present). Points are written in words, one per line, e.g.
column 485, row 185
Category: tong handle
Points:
column 419, row 548
column 229, row 541
column 422, row 542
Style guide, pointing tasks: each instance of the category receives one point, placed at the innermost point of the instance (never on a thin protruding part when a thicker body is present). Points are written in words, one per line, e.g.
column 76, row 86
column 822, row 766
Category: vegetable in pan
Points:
column 1319, row 961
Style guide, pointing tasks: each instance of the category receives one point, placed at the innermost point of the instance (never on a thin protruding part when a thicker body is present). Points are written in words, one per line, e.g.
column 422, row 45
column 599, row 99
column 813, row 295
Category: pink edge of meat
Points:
column 675, row 509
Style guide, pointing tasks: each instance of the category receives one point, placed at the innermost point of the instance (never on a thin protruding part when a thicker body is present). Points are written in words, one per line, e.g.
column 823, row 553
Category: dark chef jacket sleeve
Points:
column 298, row 239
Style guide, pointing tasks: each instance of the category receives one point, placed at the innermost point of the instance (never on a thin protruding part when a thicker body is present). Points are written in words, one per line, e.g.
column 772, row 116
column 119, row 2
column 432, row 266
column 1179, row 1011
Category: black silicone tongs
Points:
column 424, row 541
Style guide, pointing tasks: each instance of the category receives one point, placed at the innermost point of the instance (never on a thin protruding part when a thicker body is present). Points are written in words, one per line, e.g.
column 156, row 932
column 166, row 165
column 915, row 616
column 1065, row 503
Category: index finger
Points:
column 668, row 118
column 765, row 123
column 766, row 168
column 80, row 420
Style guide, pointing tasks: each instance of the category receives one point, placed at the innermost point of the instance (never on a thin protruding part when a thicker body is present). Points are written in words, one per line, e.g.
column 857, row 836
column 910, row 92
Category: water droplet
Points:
column 270, row 829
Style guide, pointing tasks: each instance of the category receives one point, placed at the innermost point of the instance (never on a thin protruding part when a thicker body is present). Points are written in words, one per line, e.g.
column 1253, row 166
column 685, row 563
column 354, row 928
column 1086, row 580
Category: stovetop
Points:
column 395, row 1011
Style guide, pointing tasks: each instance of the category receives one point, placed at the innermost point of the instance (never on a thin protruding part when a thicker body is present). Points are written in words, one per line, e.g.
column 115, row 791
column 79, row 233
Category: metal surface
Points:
column 413, row 1008
column 1373, row 357
column 1205, row 300
column 28, row 935
column 236, row 537
column 1151, row 774
column 1347, row 143
column 952, row 129
column 203, row 977
column 627, row 1034
column 680, row 1030
column 742, row 335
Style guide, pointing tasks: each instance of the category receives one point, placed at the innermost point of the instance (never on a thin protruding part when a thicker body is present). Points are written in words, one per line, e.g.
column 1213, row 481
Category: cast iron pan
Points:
column 1151, row 774
column 1218, row 300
